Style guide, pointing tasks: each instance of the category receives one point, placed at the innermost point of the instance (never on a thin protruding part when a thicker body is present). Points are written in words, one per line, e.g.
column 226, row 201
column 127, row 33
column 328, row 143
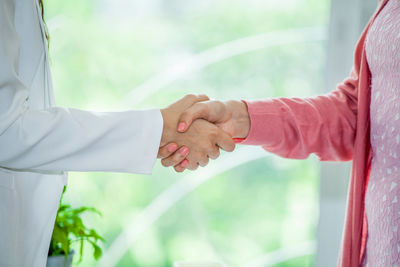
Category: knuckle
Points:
column 219, row 106
column 215, row 153
column 210, row 149
column 203, row 156
column 203, row 160
column 228, row 148
column 162, row 153
column 164, row 163
column 178, row 169
column 185, row 115
column 231, row 147
column 200, row 111
column 178, row 157
column 193, row 167
column 204, row 163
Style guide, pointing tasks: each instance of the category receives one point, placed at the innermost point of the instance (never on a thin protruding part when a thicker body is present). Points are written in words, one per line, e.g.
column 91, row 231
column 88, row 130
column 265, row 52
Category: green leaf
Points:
column 81, row 251
column 97, row 251
column 69, row 227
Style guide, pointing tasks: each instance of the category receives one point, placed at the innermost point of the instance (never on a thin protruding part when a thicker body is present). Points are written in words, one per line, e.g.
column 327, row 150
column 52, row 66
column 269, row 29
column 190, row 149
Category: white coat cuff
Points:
column 151, row 128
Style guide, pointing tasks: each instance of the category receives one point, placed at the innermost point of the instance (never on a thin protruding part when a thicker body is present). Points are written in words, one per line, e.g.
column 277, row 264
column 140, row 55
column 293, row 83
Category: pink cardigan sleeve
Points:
column 297, row 127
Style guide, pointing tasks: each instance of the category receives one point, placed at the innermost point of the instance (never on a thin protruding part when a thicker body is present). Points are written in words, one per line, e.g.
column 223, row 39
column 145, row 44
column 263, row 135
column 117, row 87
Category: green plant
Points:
column 69, row 228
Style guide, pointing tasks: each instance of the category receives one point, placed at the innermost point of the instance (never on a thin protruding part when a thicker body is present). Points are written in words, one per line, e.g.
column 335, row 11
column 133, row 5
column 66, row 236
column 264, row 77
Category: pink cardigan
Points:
column 336, row 127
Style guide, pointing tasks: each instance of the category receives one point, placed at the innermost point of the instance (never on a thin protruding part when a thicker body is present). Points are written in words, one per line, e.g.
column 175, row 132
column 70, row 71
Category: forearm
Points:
column 60, row 139
column 298, row 127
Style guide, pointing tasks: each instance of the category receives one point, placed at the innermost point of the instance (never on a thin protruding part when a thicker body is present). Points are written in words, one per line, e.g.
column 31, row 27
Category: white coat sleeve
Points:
column 62, row 139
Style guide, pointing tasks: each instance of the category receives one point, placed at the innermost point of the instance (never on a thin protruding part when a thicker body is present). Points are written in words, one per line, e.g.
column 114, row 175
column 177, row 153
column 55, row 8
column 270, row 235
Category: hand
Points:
column 171, row 156
column 203, row 138
column 170, row 114
column 231, row 116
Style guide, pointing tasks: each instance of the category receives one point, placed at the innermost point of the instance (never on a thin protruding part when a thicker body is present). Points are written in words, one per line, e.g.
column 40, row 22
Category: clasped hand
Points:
column 195, row 129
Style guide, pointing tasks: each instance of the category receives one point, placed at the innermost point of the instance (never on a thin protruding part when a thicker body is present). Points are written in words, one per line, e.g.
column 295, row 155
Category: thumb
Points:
column 197, row 111
column 212, row 111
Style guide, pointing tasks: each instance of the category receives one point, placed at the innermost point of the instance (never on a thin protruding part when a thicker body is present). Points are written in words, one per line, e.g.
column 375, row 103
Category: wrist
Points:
column 240, row 118
column 168, row 126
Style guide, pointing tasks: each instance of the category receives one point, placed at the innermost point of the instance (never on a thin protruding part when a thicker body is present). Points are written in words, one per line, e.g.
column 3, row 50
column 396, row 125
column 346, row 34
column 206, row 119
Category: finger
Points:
column 176, row 158
column 167, row 150
column 189, row 100
column 212, row 111
column 184, row 163
column 225, row 141
column 181, row 166
column 214, row 154
column 197, row 111
column 204, row 161
column 193, row 166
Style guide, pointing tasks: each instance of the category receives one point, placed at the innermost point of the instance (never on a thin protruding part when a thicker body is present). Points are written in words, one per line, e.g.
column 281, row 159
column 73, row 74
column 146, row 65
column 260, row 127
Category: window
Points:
column 248, row 208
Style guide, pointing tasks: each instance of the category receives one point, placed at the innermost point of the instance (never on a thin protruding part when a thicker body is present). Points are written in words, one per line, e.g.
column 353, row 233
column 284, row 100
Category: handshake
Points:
column 195, row 129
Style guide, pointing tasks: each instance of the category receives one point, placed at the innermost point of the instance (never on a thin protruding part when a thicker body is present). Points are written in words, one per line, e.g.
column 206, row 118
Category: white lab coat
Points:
column 39, row 141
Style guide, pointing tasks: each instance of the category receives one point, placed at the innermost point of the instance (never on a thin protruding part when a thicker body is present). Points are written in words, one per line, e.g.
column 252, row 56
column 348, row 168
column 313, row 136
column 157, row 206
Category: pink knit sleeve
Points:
column 297, row 127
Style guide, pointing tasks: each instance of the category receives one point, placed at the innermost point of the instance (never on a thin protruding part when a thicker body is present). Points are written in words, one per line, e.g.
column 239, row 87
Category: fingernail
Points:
column 184, row 163
column 172, row 148
column 184, row 151
column 181, row 126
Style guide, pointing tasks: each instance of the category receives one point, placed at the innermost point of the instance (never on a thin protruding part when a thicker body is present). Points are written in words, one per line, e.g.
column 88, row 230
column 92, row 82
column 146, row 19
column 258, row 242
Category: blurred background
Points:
column 249, row 208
